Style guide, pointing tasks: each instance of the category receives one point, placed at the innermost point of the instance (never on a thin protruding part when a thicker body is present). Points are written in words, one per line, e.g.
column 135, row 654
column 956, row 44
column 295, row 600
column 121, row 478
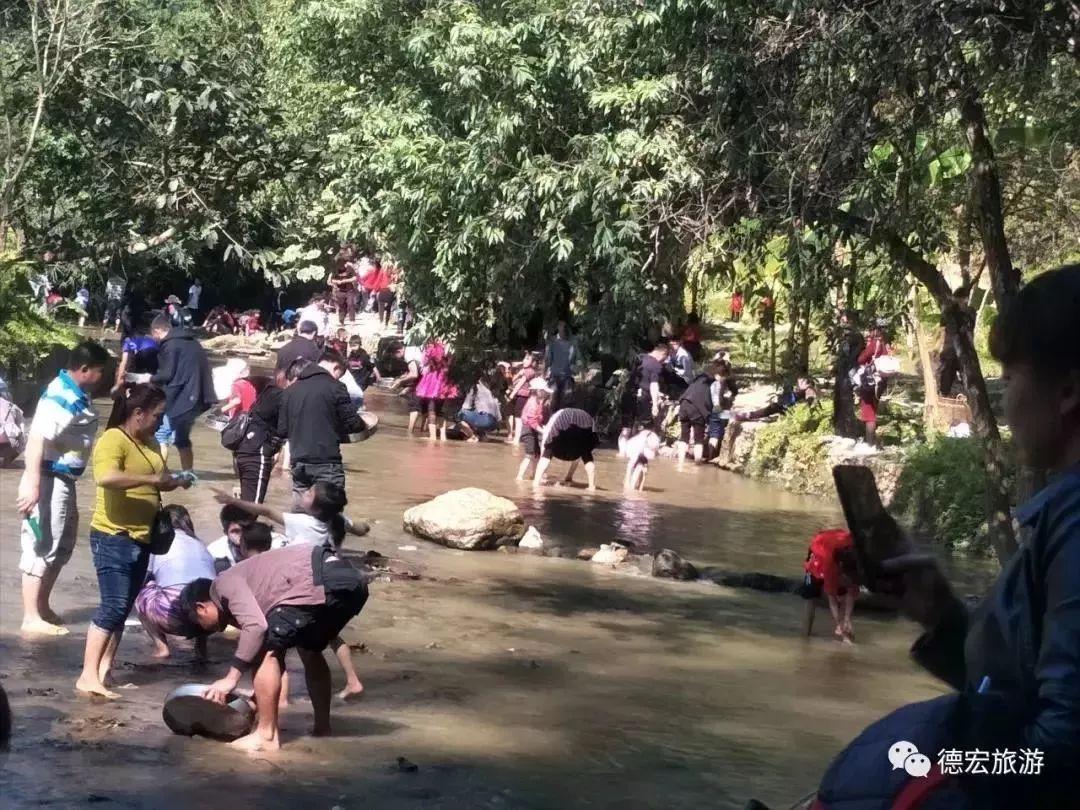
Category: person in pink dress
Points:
column 433, row 387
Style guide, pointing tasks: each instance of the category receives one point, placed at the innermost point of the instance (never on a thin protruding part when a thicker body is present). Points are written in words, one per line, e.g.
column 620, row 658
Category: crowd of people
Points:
column 1014, row 661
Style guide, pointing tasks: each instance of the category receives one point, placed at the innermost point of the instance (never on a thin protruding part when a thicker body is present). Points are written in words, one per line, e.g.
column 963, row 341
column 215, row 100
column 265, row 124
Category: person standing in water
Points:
column 61, row 437
column 184, row 373
column 130, row 475
column 533, row 417
column 559, row 361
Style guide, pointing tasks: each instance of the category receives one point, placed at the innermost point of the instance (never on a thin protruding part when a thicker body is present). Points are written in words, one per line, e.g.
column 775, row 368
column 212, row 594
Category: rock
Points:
column 531, row 539
column 586, row 553
column 668, row 564
column 404, row 766
column 469, row 519
column 610, row 554
column 559, row 551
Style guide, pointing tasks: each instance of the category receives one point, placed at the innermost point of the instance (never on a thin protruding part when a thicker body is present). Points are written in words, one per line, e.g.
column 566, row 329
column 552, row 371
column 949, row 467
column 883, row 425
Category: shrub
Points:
column 941, row 493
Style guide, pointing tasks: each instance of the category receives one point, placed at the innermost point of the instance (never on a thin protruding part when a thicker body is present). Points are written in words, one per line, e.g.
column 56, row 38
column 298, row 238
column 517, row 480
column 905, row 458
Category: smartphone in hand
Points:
column 876, row 533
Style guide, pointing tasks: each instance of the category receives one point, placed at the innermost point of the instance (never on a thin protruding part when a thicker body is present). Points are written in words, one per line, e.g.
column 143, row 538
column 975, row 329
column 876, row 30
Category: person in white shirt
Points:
column 194, row 293
column 680, row 361
column 317, row 314
column 228, row 549
column 640, row 450
column 480, row 413
column 321, row 523
column 158, row 602
column 61, row 438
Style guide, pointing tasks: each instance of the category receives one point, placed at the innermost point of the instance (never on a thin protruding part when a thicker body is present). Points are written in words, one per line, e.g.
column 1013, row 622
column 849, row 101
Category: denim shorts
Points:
column 121, row 565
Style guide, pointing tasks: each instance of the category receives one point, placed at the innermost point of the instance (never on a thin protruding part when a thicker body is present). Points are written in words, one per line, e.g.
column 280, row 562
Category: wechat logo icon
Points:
column 904, row 755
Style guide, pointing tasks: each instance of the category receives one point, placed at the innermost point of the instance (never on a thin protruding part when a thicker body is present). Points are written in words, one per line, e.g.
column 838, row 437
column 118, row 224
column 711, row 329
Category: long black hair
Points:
column 131, row 396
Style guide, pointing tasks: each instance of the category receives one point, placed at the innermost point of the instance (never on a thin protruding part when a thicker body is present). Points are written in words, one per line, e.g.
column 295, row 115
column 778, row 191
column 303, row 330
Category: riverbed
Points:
column 510, row 681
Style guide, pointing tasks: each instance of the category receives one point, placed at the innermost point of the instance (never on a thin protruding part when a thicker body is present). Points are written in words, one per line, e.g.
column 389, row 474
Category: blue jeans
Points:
column 121, row 564
column 478, row 421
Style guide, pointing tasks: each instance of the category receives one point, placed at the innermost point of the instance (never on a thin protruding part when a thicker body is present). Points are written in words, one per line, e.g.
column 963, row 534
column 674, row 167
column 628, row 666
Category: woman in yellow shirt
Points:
column 130, row 474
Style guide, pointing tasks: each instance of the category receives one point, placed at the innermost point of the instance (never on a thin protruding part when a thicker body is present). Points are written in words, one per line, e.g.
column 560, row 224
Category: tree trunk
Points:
column 986, row 196
column 958, row 322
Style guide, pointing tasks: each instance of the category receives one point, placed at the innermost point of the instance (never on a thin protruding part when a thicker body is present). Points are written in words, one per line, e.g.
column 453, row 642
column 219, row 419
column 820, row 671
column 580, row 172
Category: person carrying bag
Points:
column 127, row 525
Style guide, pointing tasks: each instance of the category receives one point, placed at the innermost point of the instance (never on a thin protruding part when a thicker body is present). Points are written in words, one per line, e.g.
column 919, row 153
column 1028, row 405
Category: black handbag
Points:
column 162, row 532
column 232, row 435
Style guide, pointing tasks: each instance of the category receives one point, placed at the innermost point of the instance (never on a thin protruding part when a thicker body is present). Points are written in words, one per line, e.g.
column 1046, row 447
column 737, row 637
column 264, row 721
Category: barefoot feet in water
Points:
column 352, row 691
column 95, row 690
column 40, row 627
column 256, row 742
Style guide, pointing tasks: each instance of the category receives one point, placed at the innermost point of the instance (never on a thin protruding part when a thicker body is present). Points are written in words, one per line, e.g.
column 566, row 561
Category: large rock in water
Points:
column 667, row 563
column 471, row 519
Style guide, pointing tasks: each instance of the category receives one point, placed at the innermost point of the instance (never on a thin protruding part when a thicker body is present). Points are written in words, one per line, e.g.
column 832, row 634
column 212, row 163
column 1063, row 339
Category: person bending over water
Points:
column 299, row 597
column 318, row 522
column 570, row 435
column 639, row 449
column 158, row 603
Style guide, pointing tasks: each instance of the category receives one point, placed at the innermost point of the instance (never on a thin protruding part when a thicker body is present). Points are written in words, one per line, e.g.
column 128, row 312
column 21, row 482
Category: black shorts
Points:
column 424, row 403
column 519, row 406
column 181, row 427
column 313, row 627
column 572, row 444
column 530, row 440
column 692, row 427
column 413, row 400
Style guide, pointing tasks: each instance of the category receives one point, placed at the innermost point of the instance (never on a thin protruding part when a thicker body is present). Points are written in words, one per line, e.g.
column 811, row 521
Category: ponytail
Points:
column 132, row 396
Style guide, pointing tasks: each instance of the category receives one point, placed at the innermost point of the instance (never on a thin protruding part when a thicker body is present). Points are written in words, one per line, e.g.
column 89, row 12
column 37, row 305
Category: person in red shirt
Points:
column 691, row 336
column 736, row 306
column 831, row 563
column 871, row 386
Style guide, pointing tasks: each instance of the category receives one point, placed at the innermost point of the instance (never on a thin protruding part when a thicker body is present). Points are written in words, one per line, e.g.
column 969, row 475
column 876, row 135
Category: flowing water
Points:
column 509, row 680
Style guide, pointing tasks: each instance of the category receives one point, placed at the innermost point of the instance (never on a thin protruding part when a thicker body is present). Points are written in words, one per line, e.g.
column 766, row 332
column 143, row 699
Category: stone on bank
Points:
column 470, row 519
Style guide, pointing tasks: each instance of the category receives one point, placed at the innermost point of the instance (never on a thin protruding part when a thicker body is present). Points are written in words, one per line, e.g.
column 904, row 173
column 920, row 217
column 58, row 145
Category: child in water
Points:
column 640, row 449
column 533, row 416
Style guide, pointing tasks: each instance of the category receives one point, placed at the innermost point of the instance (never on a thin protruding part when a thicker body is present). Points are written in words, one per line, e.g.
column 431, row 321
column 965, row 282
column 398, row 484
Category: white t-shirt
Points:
column 317, row 316
column 194, row 291
column 301, row 527
column 222, row 549
column 642, row 445
column 114, row 288
column 186, row 561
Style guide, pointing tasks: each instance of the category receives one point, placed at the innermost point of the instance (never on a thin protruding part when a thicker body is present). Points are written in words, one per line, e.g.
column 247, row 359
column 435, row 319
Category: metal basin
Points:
column 187, row 712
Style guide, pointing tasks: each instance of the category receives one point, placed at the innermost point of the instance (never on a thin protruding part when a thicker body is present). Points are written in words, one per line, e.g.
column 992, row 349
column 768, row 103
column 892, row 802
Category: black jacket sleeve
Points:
column 166, row 366
column 283, row 417
column 348, row 419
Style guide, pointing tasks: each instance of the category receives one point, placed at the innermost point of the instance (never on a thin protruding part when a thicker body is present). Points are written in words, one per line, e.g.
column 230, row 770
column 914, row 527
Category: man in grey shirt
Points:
column 559, row 361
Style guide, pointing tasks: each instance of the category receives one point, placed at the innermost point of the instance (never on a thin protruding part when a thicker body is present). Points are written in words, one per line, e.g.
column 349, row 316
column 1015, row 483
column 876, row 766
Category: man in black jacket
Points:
column 316, row 416
column 184, row 373
column 302, row 345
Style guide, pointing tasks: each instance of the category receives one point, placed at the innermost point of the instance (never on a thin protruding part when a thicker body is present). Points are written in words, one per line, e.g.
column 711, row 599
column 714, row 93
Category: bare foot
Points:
column 161, row 651
column 40, row 627
column 256, row 742
column 94, row 690
column 351, row 692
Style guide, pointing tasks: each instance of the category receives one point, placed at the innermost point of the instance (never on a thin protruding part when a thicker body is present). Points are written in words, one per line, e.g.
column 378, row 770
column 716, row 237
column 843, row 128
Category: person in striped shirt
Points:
column 61, row 437
column 570, row 435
